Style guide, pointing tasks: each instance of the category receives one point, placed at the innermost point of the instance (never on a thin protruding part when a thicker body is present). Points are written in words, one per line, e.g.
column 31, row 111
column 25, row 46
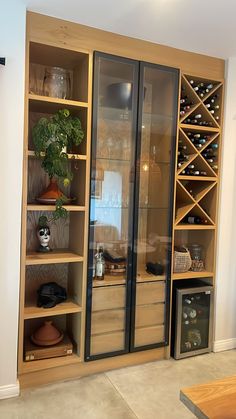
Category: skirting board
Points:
column 224, row 345
column 12, row 390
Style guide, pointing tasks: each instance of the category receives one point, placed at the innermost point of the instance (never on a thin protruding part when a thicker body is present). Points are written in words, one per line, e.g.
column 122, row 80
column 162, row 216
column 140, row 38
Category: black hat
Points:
column 50, row 294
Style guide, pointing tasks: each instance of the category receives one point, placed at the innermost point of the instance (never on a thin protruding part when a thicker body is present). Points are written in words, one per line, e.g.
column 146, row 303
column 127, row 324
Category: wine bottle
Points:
column 194, row 219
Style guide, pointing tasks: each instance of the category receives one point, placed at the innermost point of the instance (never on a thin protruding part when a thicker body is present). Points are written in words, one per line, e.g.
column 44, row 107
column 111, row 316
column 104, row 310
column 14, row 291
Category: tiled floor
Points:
column 149, row 391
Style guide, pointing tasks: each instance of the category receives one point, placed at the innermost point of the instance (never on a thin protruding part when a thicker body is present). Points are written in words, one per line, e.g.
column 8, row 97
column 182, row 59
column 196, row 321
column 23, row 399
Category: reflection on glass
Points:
column 153, row 241
column 111, row 195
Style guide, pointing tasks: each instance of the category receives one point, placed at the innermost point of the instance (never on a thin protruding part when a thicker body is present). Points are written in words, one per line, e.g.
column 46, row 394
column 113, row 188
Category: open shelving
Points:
column 197, row 171
column 66, row 264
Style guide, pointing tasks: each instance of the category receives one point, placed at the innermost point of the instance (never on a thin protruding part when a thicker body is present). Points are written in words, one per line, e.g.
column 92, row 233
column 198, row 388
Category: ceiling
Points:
column 203, row 26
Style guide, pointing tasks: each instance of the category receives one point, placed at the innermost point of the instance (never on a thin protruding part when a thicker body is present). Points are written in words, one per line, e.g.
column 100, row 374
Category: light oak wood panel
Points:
column 59, row 256
column 149, row 315
column 107, row 321
column 150, row 293
column 191, row 275
column 33, row 312
column 64, row 102
column 71, row 35
column 77, row 369
column 106, row 298
column 107, row 342
column 148, row 335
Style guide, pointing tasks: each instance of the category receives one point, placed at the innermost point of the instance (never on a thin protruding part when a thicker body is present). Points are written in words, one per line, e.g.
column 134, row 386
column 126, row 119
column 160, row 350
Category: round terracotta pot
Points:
column 47, row 335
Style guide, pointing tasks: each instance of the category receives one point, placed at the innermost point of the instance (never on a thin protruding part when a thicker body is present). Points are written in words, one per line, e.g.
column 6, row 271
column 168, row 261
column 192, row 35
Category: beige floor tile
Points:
column 88, row 398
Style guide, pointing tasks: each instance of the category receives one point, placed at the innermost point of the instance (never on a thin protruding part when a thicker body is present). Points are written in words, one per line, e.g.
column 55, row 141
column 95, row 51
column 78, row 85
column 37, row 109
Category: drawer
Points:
column 105, row 298
column 149, row 315
column 107, row 321
column 150, row 292
column 149, row 335
column 107, row 342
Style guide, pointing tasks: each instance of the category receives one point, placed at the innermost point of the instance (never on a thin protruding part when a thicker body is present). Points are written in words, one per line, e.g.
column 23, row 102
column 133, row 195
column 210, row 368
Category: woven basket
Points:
column 182, row 259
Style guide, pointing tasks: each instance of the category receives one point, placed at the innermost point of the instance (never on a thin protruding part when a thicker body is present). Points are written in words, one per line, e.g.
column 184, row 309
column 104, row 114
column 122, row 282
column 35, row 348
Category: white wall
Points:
column 225, row 313
column 12, row 46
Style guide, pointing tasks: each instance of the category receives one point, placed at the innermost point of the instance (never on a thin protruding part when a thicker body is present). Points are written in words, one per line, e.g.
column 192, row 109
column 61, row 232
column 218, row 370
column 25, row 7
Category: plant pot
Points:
column 51, row 194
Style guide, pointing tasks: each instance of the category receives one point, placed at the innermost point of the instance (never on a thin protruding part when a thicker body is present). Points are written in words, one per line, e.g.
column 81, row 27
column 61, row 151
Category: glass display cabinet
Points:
column 130, row 230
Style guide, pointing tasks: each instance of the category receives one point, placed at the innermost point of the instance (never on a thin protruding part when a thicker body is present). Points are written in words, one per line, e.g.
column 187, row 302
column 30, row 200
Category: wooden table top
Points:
column 214, row 400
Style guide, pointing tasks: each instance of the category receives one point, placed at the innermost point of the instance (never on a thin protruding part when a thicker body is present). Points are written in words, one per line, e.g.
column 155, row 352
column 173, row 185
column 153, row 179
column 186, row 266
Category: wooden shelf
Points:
column 194, row 227
column 56, row 256
column 31, row 311
column 109, row 280
column 207, row 178
column 31, row 153
column 44, row 364
column 46, row 102
column 192, row 275
column 144, row 276
column 38, row 207
column 199, row 128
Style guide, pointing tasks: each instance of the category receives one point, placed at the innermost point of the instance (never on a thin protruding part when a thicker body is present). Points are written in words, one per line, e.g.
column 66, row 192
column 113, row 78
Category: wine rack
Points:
column 198, row 151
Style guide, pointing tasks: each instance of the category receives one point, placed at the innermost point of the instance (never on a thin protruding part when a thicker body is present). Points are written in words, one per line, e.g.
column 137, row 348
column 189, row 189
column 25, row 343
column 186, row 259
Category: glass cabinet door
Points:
column 111, row 205
column 158, row 95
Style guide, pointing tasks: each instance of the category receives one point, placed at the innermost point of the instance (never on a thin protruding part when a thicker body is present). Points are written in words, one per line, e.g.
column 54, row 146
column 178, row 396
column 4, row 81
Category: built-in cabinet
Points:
column 130, row 197
column 131, row 194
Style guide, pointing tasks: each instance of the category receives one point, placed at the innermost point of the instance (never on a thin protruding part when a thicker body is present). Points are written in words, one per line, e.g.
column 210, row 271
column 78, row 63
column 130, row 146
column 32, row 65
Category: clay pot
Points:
column 47, row 335
column 52, row 193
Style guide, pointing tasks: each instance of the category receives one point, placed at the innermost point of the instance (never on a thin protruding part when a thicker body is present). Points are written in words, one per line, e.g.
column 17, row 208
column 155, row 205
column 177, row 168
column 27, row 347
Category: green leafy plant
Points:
column 52, row 137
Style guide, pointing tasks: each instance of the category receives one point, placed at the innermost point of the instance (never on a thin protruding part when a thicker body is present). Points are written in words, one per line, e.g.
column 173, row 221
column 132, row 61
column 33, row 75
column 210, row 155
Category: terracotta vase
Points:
column 52, row 192
column 47, row 335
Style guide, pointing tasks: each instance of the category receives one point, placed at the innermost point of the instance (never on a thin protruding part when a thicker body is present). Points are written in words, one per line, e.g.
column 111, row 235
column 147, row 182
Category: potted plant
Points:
column 52, row 138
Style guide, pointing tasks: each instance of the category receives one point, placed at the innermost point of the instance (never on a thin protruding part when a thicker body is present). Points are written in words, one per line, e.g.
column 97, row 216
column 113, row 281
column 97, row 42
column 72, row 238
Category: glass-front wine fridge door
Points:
column 111, row 205
column 158, row 97
column 194, row 318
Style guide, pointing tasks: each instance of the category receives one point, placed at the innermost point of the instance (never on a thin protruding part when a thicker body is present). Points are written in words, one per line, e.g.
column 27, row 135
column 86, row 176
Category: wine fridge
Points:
column 192, row 320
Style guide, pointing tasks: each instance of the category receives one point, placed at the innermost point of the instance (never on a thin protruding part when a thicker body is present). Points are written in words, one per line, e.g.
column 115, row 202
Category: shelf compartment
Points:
column 38, row 180
column 201, row 165
column 198, row 80
column 186, row 90
column 197, row 211
column 218, row 92
column 197, row 189
column 184, row 202
column 69, row 324
column 204, row 237
column 57, row 256
column 37, row 111
column 208, row 203
column 187, row 133
column 206, row 116
column 192, row 275
column 190, row 151
column 33, row 312
column 77, row 63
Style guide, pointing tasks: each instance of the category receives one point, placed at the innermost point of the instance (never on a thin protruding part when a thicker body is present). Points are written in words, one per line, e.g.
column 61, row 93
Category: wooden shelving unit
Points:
column 196, row 195
column 66, row 264
column 54, row 42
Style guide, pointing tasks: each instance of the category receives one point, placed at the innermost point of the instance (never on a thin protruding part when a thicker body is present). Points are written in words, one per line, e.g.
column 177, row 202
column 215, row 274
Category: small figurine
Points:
column 43, row 234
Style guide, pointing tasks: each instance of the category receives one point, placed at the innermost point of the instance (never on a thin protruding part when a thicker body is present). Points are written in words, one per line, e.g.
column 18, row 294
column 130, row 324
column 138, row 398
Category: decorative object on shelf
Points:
column 34, row 352
column 57, row 83
column 119, row 95
column 47, row 335
column 44, row 235
column 155, row 268
column 182, row 259
column 99, row 264
column 51, row 136
column 50, row 294
column 196, row 251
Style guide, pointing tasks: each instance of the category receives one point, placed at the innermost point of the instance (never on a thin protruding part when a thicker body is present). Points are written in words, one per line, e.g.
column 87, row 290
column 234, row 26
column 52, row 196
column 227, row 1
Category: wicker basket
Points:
column 182, row 259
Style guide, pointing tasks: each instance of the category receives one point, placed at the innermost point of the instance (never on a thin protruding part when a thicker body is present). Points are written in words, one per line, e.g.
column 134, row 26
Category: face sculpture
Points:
column 43, row 234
